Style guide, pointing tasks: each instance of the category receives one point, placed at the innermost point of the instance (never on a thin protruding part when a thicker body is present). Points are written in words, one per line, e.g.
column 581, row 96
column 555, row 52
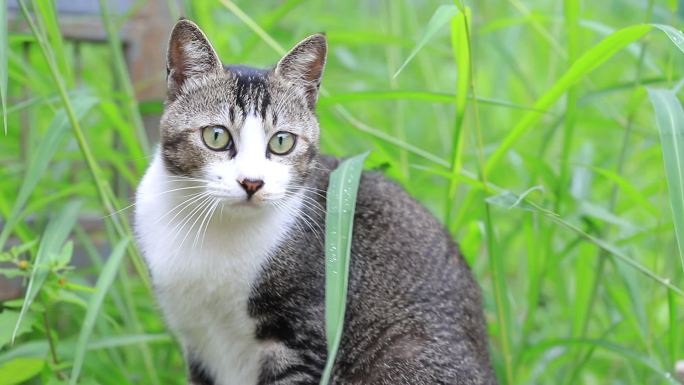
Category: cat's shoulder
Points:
column 376, row 193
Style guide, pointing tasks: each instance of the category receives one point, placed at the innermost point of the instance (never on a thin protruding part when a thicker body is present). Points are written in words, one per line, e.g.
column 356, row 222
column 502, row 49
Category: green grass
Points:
column 546, row 135
column 339, row 222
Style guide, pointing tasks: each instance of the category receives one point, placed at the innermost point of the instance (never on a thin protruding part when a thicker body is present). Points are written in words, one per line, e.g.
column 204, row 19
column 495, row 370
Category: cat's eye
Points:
column 217, row 138
column 282, row 143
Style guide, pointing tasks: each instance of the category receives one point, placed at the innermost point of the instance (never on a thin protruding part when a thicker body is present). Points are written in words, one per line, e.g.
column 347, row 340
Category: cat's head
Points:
column 248, row 135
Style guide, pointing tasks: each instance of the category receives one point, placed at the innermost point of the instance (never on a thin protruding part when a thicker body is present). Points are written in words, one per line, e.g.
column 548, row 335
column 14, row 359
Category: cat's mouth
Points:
column 253, row 201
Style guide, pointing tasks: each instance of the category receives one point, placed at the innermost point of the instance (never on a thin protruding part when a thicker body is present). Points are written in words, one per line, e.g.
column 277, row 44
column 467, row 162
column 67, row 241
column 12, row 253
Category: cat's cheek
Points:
column 277, row 178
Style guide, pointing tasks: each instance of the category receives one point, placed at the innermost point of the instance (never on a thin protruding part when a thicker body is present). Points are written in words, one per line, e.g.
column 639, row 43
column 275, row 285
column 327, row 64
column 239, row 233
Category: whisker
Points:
column 205, row 206
column 155, row 195
column 179, row 226
column 188, row 202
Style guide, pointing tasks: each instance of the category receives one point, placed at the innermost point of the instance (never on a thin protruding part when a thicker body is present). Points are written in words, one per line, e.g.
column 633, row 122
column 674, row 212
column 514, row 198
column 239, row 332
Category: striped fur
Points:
column 240, row 278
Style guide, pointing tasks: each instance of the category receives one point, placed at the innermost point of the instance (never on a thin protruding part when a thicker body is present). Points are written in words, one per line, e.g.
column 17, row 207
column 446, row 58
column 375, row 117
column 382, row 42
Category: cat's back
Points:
column 413, row 305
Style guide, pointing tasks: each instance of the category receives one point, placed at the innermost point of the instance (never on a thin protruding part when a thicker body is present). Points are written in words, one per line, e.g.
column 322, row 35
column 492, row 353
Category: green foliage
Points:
column 339, row 222
column 526, row 127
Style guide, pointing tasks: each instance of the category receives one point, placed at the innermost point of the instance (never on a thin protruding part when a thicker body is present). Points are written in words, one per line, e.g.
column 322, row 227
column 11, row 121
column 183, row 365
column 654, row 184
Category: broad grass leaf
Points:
column 674, row 34
column 670, row 121
column 339, row 223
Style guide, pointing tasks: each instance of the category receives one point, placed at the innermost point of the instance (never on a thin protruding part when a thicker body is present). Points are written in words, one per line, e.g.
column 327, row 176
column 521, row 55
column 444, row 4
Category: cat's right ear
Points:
column 190, row 54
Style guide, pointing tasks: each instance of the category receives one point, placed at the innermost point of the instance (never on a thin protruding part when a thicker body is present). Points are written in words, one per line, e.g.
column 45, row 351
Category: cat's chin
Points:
column 245, row 207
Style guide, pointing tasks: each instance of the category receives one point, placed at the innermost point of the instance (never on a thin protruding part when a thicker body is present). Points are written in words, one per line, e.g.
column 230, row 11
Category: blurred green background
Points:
column 558, row 167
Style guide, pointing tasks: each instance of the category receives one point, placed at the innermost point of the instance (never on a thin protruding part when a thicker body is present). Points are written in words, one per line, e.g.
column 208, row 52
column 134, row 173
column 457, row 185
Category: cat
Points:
column 230, row 218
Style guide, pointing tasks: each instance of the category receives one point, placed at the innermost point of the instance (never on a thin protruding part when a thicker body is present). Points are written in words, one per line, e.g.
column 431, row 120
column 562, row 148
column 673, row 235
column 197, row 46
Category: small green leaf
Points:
column 64, row 257
column 7, row 321
column 53, row 239
column 339, row 223
column 19, row 370
column 101, row 288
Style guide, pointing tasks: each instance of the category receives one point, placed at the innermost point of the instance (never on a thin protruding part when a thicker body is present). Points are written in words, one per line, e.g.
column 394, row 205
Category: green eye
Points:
column 217, row 138
column 282, row 143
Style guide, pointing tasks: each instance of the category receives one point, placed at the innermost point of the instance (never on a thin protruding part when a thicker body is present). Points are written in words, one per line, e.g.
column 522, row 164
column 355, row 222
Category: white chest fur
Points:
column 203, row 285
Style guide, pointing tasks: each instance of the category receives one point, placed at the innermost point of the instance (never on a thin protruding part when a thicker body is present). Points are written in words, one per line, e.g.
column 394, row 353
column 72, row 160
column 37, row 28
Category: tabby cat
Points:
column 230, row 217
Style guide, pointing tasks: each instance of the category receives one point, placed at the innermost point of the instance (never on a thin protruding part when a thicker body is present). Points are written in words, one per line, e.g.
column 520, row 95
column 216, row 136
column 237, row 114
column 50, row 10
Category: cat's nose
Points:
column 251, row 186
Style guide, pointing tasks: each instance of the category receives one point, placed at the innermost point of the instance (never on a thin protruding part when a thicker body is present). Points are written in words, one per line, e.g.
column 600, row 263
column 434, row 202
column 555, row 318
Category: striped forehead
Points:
column 252, row 96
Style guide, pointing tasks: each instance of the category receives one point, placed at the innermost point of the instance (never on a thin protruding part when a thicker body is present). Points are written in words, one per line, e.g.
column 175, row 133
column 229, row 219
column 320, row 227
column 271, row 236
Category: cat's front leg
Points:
column 299, row 364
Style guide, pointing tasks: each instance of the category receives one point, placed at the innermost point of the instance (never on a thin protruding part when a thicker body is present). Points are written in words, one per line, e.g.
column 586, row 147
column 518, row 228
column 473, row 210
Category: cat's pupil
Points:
column 216, row 135
column 280, row 140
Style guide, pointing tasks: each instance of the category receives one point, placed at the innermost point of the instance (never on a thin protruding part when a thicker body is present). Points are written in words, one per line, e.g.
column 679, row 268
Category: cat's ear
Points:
column 303, row 66
column 190, row 54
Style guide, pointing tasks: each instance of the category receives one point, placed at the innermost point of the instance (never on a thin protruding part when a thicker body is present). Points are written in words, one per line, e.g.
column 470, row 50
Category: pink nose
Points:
column 251, row 186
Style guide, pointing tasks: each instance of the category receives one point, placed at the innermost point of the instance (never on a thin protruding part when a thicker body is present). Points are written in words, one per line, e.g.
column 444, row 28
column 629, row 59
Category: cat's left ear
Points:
column 189, row 55
column 303, row 66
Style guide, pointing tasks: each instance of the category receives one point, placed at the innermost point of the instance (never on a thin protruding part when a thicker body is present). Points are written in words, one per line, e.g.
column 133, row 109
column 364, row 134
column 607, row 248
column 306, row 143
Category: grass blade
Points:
column 572, row 10
column 103, row 283
column 608, row 346
column 104, row 191
column 674, row 34
column 507, row 199
column 253, row 26
column 339, row 222
column 423, row 96
column 44, row 153
column 53, row 239
column 579, row 69
column 670, row 120
column 4, row 47
column 441, row 16
column 119, row 341
column 674, row 325
column 460, row 43
column 124, row 80
column 46, row 14
column 584, row 65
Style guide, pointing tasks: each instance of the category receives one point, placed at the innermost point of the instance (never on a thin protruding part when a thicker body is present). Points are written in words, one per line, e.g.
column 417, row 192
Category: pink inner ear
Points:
column 189, row 54
column 303, row 65
column 305, row 61
column 176, row 62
